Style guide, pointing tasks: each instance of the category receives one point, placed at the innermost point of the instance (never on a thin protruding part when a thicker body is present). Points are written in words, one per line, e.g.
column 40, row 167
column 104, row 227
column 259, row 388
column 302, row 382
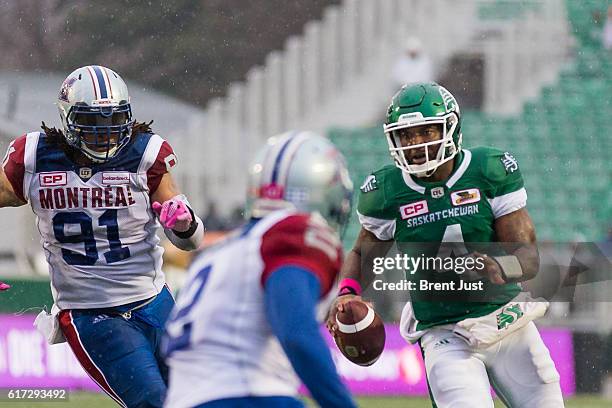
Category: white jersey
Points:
column 96, row 223
column 219, row 342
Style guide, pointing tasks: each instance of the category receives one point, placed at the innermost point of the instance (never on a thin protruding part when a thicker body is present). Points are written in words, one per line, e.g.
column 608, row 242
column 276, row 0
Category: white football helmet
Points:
column 300, row 170
column 94, row 107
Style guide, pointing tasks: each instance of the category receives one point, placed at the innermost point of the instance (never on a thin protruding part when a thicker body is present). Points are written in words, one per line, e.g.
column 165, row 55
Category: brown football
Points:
column 361, row 333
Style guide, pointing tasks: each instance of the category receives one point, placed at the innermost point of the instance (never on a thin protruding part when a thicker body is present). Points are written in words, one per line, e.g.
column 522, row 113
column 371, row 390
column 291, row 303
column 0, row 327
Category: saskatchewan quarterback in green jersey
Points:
column 457, row 210
column 435, row 194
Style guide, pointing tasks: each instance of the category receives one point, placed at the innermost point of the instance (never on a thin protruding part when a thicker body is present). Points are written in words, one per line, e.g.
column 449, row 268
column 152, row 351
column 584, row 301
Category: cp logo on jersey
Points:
column 413, row 209
column 51, row 179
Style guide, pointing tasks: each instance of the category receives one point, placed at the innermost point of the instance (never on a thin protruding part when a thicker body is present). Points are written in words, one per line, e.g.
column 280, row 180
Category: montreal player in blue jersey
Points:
column 100, row 187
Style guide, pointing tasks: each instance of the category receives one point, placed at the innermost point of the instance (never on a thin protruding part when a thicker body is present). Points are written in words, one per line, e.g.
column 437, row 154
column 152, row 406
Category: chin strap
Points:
column 426, row 173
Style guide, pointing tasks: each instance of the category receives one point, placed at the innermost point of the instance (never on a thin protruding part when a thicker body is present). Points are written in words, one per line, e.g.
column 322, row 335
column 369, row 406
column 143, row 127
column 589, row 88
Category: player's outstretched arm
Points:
column 357, row 271
column 291, row 295
column 181, row 225
column 8, row 198
column 517, row 233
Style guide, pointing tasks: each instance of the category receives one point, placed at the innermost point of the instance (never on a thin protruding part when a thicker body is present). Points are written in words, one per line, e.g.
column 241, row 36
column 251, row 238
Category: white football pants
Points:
column 519, row 368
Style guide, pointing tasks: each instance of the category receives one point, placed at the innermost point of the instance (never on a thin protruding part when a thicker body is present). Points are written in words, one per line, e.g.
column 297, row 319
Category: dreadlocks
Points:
column 56, row 136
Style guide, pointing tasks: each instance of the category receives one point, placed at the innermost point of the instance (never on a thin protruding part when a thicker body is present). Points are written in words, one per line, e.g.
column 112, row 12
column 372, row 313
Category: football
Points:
column 361, row 333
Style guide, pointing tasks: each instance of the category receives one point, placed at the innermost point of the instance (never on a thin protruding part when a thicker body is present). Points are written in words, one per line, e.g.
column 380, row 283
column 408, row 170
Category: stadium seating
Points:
column 561, row 141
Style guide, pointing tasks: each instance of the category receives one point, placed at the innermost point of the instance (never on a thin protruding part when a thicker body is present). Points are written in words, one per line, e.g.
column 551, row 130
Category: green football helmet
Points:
column 423, row 104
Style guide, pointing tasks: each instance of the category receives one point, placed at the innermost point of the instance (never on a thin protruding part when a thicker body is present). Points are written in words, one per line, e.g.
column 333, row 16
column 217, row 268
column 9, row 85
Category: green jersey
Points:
column 486, row 184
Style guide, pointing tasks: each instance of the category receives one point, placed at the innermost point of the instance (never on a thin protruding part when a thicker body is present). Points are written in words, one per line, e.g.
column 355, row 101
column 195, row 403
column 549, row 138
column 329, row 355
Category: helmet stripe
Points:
column 107, row 78
column 95, row 84
column 100, row 77
column 279, row 158
column 296, row 142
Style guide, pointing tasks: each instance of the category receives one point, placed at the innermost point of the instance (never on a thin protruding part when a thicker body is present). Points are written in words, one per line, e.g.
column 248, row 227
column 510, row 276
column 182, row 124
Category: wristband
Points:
column 511, row 268
column 192, row 227
column 349, row 286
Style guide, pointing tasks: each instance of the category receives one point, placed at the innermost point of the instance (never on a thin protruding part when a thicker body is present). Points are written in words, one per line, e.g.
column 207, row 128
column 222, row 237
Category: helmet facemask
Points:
column 447, row 148
column 99, row 131
column 340, row 214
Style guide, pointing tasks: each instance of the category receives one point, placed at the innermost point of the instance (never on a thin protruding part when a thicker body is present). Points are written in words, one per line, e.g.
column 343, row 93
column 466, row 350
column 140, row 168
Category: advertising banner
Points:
column 26, row 360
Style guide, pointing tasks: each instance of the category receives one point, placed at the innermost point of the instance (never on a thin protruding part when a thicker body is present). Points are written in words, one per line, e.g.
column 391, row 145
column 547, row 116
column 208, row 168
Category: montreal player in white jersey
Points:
column 244, row 331
column 98, row 188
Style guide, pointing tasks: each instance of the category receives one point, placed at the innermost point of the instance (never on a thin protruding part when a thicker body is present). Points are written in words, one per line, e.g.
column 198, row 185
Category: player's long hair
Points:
column 56, row 136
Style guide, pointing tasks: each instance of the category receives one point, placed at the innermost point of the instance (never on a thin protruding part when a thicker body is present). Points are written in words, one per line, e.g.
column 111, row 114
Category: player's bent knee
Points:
column 454, row 384
column 545, row 367
column 453, row 376
column 532, row 367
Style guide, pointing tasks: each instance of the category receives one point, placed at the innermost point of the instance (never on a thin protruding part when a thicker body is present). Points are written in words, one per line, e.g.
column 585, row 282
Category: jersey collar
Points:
column 465, row 160
column 412, row 184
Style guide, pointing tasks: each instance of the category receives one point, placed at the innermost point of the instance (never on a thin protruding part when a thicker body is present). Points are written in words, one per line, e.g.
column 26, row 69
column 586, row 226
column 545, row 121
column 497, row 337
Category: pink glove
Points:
column 173, row 214
column 4, row 286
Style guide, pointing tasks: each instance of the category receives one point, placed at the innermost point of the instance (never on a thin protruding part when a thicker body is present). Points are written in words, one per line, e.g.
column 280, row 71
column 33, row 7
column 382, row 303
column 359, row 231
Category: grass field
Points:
column 91, row 400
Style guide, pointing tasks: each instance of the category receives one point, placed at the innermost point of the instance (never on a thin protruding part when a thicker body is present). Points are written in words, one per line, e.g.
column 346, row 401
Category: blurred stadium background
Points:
column 218, row 77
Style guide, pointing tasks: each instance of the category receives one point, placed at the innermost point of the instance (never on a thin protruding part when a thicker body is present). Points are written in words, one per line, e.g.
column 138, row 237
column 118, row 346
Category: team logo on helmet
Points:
column 63, row 95
column 272, row 191
column 450, row 103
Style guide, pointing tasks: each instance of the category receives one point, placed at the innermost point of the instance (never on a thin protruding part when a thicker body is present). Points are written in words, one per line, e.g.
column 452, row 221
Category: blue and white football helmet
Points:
column 301, row 170
column 94, row 107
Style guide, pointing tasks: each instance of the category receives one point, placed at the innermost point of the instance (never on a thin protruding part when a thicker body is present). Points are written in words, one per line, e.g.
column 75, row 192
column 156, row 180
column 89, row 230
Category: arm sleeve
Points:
column 13, row 165
column 164, row 162
column 291, row 295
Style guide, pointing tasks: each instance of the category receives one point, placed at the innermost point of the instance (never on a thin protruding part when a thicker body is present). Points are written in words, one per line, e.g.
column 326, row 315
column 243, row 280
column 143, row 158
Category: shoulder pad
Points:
column 499, row 168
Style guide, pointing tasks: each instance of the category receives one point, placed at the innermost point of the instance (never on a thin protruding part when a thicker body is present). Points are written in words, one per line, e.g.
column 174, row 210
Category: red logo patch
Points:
column 57, row 178
column 413, row 209
column 272, row 191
